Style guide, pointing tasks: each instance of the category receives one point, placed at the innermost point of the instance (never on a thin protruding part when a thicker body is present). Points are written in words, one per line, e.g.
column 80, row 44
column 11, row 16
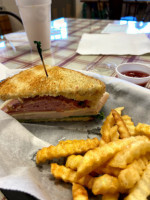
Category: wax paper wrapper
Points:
column 20, row 142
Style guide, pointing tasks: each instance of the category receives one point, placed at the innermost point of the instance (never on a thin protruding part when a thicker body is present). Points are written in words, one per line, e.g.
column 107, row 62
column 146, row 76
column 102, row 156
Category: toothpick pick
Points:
column 40, row 53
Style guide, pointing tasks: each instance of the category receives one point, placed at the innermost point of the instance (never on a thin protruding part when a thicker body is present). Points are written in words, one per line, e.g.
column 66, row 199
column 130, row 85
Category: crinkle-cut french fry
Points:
column 102, row 142
column 105, row 129
column 119, row 110
column 105, row 184
column 142, row 129
column 79, row 192
column 148, row 156
column 132, row 174
column 105, row 169
column 73, row 161
column 143, row 162
column 122, row 129
column 142, row 188
column 108, row 123
column 62, row 172
column 86, row 181
column 100, row 155
column 130, row 153
column 129, row 124
column 110, row 196
column 68, row 175
column 114, row 135
column 66, row 148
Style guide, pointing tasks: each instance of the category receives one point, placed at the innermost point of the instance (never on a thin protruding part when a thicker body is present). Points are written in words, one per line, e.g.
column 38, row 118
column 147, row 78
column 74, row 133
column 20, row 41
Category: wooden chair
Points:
column 11, row 14
column 5, row 25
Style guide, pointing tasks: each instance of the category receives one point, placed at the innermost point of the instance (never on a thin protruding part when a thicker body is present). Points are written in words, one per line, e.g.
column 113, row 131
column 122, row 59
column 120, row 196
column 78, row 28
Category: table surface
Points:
column 15, row 51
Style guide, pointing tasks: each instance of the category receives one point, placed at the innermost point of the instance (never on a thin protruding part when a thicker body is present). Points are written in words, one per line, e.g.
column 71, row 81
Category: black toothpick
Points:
column 38, row 43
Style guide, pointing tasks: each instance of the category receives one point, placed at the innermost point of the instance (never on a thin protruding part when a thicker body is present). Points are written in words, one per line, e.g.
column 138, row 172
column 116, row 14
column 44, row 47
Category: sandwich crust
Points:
column 60, row 82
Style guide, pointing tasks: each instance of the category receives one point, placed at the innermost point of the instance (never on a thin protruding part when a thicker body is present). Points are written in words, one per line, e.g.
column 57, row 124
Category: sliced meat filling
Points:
column 45, row 103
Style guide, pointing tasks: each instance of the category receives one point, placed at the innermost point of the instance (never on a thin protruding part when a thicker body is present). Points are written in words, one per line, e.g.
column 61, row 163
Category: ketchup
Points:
column 137, row 74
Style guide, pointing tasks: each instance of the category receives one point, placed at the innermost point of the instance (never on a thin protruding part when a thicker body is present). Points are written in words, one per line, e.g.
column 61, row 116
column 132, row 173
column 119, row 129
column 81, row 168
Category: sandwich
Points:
column 65, row 95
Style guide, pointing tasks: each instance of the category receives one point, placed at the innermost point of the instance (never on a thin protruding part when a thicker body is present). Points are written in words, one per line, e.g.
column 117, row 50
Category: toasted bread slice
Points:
column 60, row 82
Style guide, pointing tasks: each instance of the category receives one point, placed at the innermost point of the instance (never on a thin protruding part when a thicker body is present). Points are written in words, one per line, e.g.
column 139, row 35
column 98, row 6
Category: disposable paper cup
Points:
column 36, row 17
column 32, row 2
column 138, row 67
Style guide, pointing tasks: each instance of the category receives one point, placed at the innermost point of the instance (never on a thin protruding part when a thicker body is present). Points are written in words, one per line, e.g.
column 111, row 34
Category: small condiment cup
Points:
column 138, row 67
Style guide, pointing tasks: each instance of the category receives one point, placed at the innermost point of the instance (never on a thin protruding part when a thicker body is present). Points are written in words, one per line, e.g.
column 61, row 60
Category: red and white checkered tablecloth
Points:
column 15, row 52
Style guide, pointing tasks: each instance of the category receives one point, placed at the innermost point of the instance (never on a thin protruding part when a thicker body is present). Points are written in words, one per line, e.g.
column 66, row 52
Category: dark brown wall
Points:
column 63, row 8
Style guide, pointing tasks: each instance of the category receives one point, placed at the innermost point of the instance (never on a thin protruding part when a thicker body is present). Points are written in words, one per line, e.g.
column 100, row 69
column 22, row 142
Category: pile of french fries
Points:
column 118, row 163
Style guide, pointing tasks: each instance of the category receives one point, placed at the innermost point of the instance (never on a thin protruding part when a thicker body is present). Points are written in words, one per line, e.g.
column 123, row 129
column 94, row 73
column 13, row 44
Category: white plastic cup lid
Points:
column 32, row 2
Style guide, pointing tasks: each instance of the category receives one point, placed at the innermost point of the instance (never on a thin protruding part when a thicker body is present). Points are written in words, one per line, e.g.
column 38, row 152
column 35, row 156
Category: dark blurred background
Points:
column 133, row 10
